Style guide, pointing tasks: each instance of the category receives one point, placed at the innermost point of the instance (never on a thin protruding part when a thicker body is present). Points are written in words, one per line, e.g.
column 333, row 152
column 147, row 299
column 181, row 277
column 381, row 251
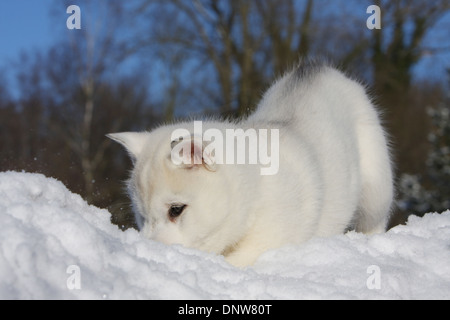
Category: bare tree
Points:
column 395, row 49
column 244, row 42
column 89, row 56
column 398, row 46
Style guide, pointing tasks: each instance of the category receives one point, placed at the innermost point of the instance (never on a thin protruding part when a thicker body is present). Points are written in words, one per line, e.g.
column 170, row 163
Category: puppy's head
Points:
column 179, row 194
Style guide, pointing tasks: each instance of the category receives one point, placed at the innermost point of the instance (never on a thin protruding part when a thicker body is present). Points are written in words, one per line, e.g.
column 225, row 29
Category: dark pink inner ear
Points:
column 189, row 153
column 196, row 152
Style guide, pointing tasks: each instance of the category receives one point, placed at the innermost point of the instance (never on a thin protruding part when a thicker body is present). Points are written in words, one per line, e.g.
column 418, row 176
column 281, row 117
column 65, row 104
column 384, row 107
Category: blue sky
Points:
column 31, row 26
column 27, row 25
column 24, row 25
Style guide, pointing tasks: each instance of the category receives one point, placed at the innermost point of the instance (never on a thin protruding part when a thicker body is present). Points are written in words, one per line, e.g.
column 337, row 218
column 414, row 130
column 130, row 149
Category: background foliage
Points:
column 139, row 63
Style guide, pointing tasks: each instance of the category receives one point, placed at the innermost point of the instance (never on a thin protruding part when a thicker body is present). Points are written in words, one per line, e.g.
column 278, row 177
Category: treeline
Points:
column 57, row 127
column 204, row 57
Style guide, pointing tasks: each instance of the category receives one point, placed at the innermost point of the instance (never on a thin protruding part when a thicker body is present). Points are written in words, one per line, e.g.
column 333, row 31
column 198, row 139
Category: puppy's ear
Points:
column 132, row 141
column 189, row 153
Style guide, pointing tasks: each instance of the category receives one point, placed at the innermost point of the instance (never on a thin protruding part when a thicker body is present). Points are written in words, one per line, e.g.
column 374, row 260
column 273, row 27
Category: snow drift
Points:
column 55, row 246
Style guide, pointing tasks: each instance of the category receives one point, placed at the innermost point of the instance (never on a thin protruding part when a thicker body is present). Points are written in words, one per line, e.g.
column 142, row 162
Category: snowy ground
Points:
column 55, row 246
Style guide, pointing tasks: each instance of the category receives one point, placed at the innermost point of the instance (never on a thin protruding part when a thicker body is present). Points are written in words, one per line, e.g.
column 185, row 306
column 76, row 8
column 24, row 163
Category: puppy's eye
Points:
column 175, row 210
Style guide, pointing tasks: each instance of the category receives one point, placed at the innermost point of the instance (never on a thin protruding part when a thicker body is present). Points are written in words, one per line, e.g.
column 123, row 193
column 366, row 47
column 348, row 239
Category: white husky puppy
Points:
column 334, row 173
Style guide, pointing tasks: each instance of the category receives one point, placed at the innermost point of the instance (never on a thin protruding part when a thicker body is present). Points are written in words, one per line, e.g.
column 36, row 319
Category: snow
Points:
column 55, row 246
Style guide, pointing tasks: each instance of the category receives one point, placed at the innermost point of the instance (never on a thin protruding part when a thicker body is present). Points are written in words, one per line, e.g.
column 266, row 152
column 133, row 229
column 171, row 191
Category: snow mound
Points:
column 55, row 246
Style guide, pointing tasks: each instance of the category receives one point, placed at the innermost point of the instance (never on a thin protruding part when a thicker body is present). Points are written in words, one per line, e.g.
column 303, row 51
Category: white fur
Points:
column 334, row 174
